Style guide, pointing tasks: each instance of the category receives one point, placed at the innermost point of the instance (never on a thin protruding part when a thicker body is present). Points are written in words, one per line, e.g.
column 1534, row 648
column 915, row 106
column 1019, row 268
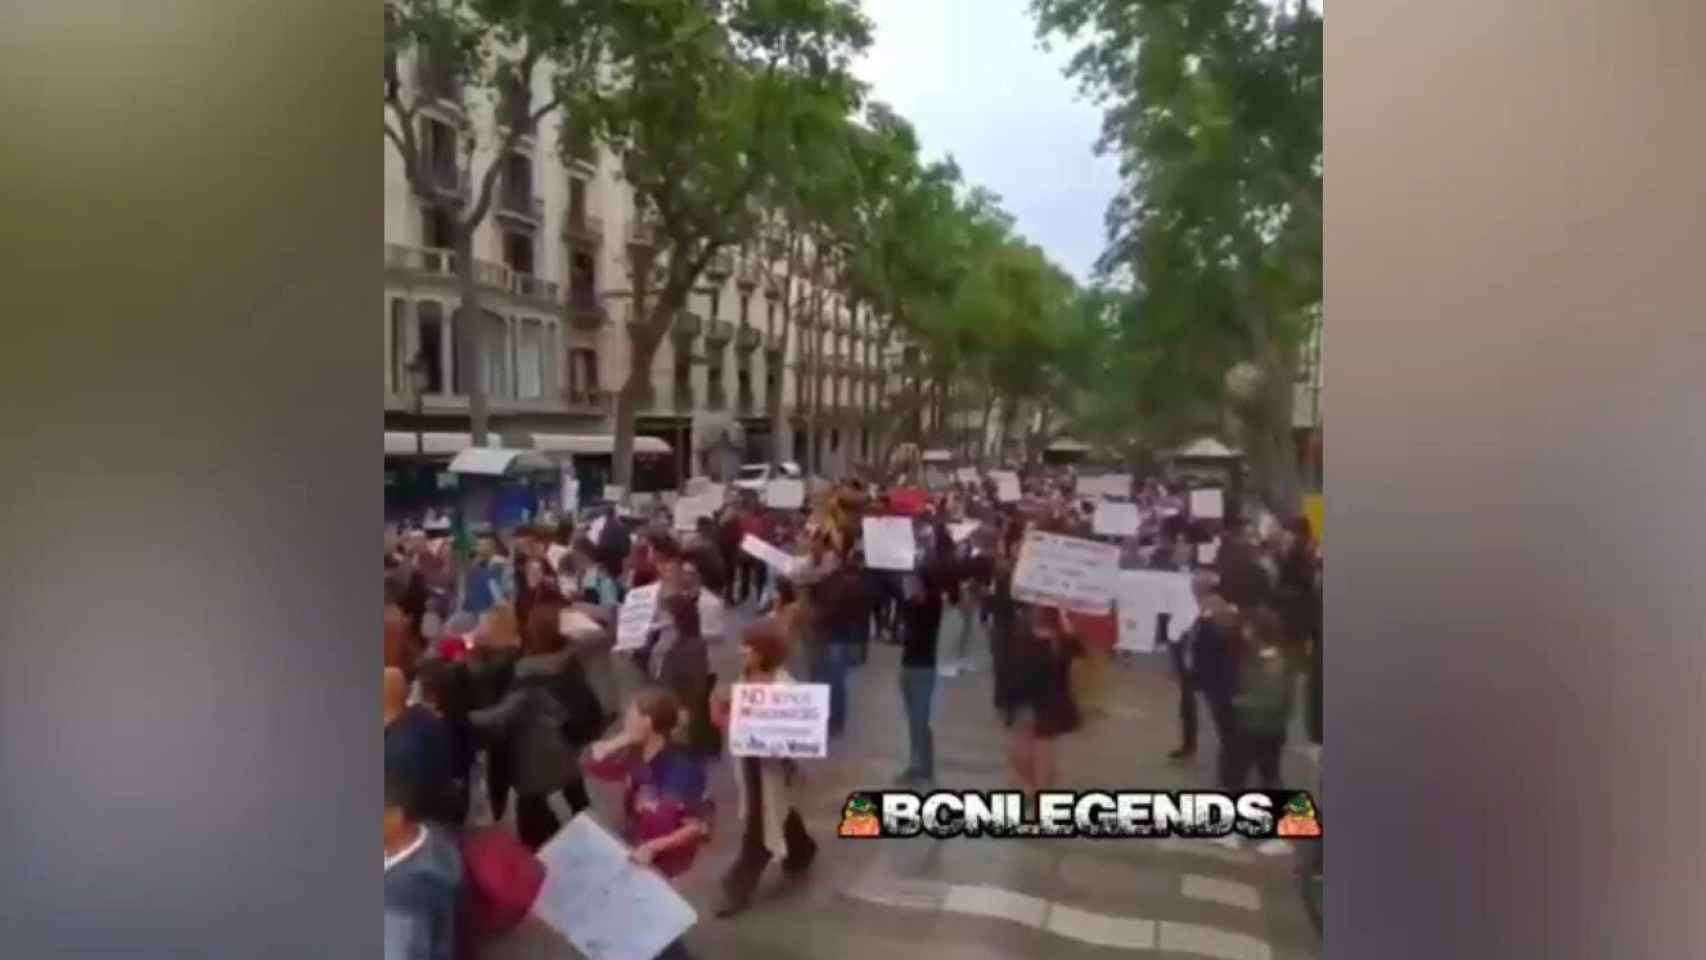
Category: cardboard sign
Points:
column 697, row 486
column 1006, row 486
column 635, row 618
column 1207, row 553
column 966, row 475
column 1066, row 572
column 613, row 493
column 783, row 563
column 1140, row 596
column 1115, row 519
column 779, row 720
column 689, row 510
column 604, row 903
column 1207, row 504
column 889, row 543
column 785, row 494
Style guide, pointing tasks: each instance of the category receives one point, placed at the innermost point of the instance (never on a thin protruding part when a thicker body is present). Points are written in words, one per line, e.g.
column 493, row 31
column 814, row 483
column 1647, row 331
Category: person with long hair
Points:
column 1039, row 701
column 771, row 823
column 527, row 727
column 676, row 658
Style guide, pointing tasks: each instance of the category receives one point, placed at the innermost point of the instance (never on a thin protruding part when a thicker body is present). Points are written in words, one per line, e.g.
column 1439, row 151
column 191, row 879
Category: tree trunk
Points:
column 773, row 401
column 468, row 336
column 983, row 430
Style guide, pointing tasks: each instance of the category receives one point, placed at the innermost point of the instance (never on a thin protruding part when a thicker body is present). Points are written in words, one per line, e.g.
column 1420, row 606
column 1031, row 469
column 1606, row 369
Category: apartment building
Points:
column 551, row 262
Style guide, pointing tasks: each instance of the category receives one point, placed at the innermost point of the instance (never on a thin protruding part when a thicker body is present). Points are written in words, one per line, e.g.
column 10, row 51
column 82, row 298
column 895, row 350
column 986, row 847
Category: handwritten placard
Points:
column 966, row 475
column 634, row 620
column 779, row 720
column 889, row 543
column 1006, row 486
column 783, row 563
column 1207, row 553
column 1141, row 596
column 1207, row 504
column 1114, row 518
column 690, row 510
column 1066, row 572
column 604, row 903
column 785, row 494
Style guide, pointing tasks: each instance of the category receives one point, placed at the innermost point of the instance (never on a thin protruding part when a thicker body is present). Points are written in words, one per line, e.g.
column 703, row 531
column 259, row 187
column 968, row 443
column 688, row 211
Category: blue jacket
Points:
column 421, row 895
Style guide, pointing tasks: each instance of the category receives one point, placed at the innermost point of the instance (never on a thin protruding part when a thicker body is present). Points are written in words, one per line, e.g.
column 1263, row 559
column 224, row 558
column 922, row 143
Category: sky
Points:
column 970, row 77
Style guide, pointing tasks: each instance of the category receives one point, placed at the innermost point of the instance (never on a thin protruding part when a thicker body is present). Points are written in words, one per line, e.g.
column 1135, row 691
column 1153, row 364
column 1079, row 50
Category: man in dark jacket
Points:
column 418, row 750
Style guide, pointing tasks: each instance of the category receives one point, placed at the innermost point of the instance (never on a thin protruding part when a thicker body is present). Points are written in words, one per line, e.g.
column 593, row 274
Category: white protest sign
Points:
column 1142, row 595
column 785, row 494
column 1207, row 552
column 613, row 493
column 889, row 543
column 779, row 720
column 634, row 620
column 1115, row 519
column 689, row 510
column 960, row 531
column 1066, row 572
column 1207, row 504
column 1006, row 486
column 604, row 903
column 966, row 475
column 783, row 563
column 697, row 486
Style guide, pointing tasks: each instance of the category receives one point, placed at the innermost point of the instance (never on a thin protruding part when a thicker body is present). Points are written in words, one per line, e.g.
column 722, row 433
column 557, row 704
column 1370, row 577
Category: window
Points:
column 439, row 148
column 583, row 279
column 583, row 373
column 518, row 182
column 577, row 201
column 518, row 252
column 397, row 364
column 530, row 356
column 437, row 230
column 495, row 347
column 431, row 333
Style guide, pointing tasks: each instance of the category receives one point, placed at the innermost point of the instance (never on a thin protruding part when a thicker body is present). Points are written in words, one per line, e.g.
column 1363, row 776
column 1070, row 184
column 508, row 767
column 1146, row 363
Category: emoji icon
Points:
column 859, row 817
column 1300, row 819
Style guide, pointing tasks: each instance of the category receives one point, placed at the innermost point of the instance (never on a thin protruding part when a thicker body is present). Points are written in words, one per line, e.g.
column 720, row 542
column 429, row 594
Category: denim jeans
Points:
column 830, row 666
column 917, row 687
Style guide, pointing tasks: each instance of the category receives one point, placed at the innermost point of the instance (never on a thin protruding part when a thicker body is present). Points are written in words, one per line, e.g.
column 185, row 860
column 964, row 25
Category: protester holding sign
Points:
column 676, row 658
column 666, row 803
column 771, row 825
column 1039, row 702
column 924, row 595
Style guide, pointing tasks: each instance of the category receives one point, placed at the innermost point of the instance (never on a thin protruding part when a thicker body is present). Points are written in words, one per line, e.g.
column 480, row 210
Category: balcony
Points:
column 745, row 403
column 590, row 400
column 582, row 146
column 522, row 207
column 586, row 311
column 717, row 397
column 749, row 275
column 683, row 395
column 747, row 339
column 687, row 326
column 529, row 287
column 775, row 341
column 583, row 228
column 719, row 334
column 642, row 232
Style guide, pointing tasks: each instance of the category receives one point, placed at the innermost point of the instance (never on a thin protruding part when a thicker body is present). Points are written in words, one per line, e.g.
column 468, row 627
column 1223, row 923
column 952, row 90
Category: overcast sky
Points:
column 970, row 77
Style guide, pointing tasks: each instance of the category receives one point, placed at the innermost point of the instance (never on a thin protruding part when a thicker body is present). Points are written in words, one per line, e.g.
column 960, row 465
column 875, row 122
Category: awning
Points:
column 1206, row 448
column 401, row 443
column 1064, row 445
column 938, row 456
column 500, row 462
column 592, row 443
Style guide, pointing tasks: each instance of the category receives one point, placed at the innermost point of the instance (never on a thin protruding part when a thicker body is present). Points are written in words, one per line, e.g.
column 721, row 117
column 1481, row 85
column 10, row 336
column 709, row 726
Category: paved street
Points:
column 1063, row 899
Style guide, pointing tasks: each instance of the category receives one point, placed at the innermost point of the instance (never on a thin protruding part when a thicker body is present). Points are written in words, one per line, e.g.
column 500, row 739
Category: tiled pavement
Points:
column 995, row 899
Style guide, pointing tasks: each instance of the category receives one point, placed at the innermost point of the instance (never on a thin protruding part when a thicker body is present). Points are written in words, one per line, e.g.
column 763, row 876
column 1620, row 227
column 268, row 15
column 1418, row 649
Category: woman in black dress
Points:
column 1039, row 705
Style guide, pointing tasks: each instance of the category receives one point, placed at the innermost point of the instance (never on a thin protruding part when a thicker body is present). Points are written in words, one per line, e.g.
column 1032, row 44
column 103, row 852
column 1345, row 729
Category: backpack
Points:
column 1263, row 701
column 503, row 878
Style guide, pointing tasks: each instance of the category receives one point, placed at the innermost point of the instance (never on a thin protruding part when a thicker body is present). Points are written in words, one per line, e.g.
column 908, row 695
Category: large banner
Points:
column 779, row 720
column 604, row 903
column 1066, row 572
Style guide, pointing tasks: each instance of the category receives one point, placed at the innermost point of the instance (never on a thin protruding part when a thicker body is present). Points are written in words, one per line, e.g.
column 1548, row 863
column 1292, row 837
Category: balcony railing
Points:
column 687, row 326
column 533, row 288
column 589, row 399
column 583, row 228
column 516, row 205
column 438, row 81
column 447, row 184
column 721, row 265
column 719, row 333
column 586, row 310
column 747, row 339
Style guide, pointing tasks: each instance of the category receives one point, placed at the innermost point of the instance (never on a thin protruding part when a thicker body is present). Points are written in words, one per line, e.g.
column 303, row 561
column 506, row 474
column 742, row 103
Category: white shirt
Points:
column 408, row 851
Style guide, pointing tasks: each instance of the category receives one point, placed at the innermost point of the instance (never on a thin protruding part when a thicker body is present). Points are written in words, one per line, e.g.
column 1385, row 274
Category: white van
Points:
column 754, row 476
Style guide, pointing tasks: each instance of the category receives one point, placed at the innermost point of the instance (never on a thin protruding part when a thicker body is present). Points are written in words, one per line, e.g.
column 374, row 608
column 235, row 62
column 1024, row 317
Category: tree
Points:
column 460, row 49
column 694, row 97
column 1214, row 109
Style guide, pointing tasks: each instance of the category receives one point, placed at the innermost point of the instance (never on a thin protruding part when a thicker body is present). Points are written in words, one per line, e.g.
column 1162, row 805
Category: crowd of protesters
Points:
column 501, row 681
